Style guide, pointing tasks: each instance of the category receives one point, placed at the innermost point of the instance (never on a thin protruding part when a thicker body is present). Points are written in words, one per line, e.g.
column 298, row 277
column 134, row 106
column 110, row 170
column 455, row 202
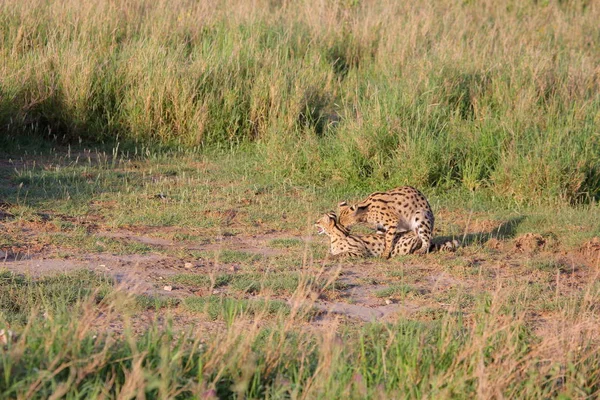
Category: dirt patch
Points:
column 493, row 244
column 364, row 313
column 443, row 281
column 366, row 290
column 151, row 241
column 529, row 242
column 103, row 263
column 255, row 244
column 481, row 225
column 591, row 248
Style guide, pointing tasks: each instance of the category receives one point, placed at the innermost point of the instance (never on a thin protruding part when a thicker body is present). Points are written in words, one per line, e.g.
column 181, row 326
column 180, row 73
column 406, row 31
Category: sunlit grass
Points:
column 373, row 91
column 266, row 347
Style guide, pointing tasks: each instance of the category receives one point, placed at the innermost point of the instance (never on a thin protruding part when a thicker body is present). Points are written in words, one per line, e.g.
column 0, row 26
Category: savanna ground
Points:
column 163, row 163
column 250, row 283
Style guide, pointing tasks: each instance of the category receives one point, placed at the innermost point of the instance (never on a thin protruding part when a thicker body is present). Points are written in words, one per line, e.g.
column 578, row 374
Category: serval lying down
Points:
column 342, row 243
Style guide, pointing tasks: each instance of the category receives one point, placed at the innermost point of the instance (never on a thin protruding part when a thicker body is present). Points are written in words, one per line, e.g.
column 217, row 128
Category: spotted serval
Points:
column 396, row 211
column 342, row 243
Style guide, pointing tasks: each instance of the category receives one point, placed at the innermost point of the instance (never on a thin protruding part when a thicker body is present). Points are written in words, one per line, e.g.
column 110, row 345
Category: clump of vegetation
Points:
column 372, row 98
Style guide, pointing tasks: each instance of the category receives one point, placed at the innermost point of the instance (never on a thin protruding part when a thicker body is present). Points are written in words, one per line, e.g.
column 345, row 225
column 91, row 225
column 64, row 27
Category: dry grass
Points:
column 493, row 352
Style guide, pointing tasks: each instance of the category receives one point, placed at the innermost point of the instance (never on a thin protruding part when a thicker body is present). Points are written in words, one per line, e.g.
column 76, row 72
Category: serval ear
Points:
column 332, row 218
column 360, row 208
column 342, row 204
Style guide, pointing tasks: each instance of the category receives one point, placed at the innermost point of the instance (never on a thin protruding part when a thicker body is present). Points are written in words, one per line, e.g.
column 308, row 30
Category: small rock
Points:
column 216, row 291
column 234, row 268
column 188, row 265
column 388, row 301
column 168, row 288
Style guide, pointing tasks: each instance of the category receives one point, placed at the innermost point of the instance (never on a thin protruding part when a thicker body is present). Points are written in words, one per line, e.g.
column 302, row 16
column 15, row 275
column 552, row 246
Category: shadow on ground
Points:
column 506, row 230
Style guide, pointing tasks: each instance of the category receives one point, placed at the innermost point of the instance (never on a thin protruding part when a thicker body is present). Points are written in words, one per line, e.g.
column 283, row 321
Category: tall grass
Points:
column 477, row 94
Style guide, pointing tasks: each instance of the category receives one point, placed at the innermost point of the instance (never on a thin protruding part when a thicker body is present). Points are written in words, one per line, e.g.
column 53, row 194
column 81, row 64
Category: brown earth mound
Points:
column 529, row 242
column 494, row 244
column 591, row 248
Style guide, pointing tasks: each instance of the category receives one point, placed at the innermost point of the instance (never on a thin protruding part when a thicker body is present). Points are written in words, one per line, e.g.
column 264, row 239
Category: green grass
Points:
column 398, row 291
column 146, row 302
column 22, row 297
column 81, row 241
column 201, row 281
column 274, row 282
column 252, row 283
column 123, row 195
column 232, row 256
column 229, row 308
column 286, row 243
column 371, row 99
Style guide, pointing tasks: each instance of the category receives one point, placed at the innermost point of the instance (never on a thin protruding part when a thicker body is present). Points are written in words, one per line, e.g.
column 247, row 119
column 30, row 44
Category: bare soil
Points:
column 433, row 280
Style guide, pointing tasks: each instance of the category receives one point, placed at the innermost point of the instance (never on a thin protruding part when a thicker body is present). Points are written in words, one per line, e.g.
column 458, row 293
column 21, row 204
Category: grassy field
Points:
column 162, row 165
column 185, row 276
column 437, row 94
